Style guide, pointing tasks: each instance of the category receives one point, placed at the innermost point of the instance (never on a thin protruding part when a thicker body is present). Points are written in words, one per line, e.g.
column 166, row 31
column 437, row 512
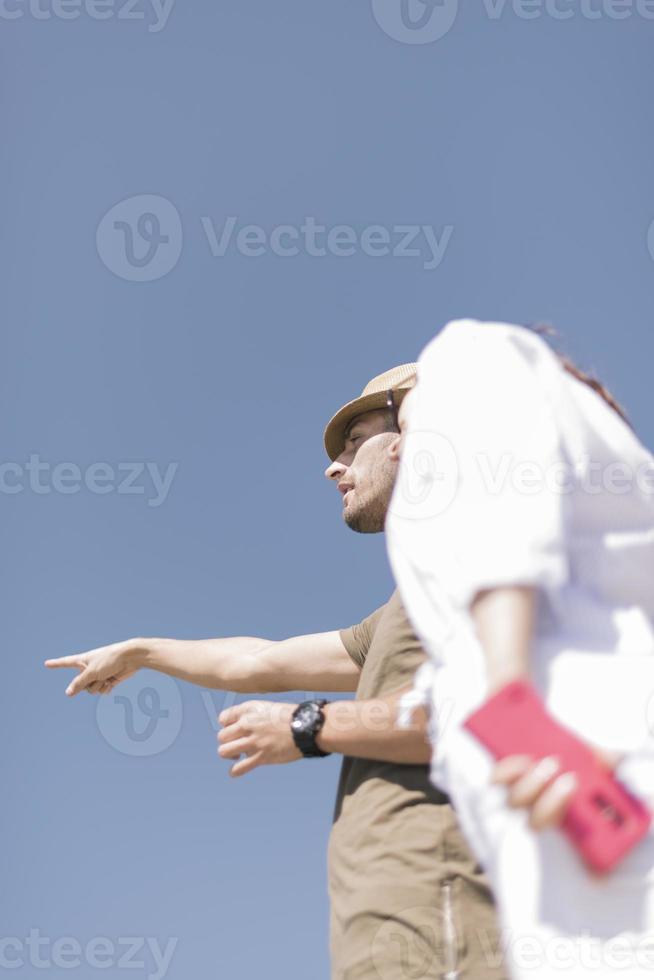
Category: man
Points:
column 408, row 899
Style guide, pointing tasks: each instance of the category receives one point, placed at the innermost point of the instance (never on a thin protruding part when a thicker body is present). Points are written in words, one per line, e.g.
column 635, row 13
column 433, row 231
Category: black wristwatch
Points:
column 307, row 720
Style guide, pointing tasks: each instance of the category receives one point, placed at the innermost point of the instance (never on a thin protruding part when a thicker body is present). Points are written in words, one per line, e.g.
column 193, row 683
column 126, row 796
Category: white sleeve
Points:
column 484, row 408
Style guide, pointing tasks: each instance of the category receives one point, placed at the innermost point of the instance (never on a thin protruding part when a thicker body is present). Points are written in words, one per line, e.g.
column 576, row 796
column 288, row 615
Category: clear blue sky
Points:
column 523, row 146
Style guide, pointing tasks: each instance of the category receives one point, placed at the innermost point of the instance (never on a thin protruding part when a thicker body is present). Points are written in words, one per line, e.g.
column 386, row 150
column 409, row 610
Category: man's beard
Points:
column 369, row 516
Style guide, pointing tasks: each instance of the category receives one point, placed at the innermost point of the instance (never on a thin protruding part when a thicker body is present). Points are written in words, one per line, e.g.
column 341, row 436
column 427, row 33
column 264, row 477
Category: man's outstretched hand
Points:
column 102, row 669
column 259, row 730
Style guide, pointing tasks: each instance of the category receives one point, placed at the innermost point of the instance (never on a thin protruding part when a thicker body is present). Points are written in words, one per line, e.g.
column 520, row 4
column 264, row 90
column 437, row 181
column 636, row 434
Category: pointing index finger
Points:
column 73, row 661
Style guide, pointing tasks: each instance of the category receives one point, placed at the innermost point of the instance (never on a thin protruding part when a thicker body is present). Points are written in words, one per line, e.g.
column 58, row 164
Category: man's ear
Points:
column 394, row 449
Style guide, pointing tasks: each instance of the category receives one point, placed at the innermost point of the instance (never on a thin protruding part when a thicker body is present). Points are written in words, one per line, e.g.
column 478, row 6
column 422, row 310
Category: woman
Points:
column 521, row 535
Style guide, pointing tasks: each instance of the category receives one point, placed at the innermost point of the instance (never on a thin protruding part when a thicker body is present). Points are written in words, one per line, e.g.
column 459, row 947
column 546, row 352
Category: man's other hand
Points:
column 260, row 731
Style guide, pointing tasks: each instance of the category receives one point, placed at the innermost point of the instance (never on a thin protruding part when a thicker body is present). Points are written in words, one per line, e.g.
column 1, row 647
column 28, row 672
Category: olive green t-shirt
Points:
column 388, row 652
column 373, row 795
column 396, row 849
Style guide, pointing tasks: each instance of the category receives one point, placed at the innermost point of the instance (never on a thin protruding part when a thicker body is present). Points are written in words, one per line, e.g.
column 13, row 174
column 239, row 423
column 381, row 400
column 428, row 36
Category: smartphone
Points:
column 604, row 821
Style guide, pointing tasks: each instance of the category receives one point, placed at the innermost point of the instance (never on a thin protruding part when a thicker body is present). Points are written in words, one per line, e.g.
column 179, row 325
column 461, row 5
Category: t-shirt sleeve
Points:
column 486, row 398
column 357, row 639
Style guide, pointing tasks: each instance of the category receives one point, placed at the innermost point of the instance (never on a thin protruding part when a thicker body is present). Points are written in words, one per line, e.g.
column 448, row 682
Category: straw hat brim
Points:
column 334, row 436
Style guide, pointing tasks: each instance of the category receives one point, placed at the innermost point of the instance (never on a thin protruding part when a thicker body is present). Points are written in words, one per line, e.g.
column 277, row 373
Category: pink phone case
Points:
column 603, row 820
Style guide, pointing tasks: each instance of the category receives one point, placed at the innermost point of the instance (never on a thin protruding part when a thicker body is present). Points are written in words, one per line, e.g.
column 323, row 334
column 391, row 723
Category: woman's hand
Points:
column 259, row 730
column 102, row 669
column 540, row 786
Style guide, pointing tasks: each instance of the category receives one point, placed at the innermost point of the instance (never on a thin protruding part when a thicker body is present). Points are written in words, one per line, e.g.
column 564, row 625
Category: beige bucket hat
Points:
column 399, row 379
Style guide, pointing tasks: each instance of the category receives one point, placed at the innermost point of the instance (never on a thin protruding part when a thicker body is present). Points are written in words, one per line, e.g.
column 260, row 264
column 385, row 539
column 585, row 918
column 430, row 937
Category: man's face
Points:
column 365, row 472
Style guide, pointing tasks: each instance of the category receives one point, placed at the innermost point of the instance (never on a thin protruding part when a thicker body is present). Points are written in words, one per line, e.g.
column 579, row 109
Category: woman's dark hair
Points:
column 545, row 330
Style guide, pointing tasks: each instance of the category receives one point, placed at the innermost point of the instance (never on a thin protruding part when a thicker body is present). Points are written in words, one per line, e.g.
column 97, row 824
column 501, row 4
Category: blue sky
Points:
column 177, row 331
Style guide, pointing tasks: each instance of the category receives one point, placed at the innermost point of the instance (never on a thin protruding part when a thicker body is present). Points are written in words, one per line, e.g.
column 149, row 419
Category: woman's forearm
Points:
column 504, row 619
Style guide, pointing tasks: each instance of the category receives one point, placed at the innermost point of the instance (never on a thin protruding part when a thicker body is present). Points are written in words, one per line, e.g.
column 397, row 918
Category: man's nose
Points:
column 335, row 470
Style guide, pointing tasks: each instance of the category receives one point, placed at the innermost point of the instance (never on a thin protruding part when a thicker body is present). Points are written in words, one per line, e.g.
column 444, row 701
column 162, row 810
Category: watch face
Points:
column 306, row 722
column 304, row 717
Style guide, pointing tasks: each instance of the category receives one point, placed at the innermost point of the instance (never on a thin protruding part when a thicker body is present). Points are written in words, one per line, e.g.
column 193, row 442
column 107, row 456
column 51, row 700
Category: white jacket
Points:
column 515, row 472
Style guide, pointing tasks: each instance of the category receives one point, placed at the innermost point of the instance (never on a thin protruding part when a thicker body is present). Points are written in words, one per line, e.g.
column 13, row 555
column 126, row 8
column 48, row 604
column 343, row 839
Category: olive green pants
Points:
column 408, row 935
column 433, row 917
